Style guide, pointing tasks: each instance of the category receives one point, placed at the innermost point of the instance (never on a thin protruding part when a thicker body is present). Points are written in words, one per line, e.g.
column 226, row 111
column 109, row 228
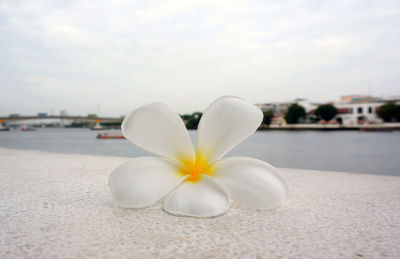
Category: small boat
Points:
column 3, row 126
column 28, row 128
column 97, row 127
column 110, row 136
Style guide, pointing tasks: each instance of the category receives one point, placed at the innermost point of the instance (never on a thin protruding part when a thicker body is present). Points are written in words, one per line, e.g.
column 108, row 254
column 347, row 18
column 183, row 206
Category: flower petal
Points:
column 205, row 198
column 142, row 181
column 251, row 182
column 160, row 130
column 226, row 123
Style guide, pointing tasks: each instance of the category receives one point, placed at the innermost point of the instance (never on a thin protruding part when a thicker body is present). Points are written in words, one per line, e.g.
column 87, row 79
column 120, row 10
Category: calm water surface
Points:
column 361, row 152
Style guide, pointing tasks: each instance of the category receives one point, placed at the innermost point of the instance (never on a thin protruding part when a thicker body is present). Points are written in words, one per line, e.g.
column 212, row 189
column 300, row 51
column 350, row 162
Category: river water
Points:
column 346, row 151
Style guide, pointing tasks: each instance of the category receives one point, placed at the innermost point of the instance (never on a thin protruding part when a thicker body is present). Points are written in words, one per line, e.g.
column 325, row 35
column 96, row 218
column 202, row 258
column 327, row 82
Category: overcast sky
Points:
column 108, row 57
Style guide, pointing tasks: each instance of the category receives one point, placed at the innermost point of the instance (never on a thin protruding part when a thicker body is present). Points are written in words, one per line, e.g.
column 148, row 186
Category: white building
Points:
column 281, row 108
column 64, row 122
column 308, row 106
column 275, row 107
column 357, row 113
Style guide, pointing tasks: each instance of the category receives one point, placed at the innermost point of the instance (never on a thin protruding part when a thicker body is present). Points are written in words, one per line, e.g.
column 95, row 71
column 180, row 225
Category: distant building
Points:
column 278, row 120
column 358, row 110
column 280, row 108
column 14, row 115
column 358, row 98
column 276, row 107
column 393, row 98
column 42, row 114
column 352, row 109
column 308, row 106
column 63, row 113
column 64, row 122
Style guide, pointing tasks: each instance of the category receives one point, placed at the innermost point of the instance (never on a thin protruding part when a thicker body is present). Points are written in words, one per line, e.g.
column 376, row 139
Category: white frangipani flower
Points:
column 197, row 182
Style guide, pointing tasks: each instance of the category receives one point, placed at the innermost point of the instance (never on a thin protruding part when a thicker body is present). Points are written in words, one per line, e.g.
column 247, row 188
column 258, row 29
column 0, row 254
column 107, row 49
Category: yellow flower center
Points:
column 195, row 168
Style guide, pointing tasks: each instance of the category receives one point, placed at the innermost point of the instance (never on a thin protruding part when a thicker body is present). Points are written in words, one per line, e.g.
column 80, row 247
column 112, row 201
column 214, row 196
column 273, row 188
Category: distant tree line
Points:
column 389, row 112
column 326, row 112
column 296, row 113
column 267, row 119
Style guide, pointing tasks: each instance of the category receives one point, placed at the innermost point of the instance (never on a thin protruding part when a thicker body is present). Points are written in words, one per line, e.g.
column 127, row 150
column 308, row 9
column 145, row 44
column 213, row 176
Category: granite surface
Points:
column 58, row 206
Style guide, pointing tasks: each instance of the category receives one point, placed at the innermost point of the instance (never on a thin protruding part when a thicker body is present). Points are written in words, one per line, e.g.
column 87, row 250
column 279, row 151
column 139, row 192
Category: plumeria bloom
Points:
column 198, row 183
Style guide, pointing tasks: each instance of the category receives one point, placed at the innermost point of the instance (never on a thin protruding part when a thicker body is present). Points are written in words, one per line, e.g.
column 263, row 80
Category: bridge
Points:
column 10, row 119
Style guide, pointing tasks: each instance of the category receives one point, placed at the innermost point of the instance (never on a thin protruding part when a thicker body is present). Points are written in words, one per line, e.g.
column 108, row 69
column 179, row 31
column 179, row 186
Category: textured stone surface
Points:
column 58, row 206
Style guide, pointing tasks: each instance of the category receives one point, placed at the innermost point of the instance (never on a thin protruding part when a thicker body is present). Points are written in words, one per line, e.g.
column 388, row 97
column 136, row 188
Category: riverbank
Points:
column 58, row 205
column 334, row 127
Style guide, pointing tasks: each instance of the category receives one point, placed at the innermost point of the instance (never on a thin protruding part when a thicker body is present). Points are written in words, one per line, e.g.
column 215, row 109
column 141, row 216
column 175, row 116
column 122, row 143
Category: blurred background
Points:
column 325, row 73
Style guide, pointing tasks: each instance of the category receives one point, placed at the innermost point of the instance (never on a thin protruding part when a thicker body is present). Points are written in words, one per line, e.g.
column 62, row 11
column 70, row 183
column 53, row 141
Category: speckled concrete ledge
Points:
column 58, row 206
